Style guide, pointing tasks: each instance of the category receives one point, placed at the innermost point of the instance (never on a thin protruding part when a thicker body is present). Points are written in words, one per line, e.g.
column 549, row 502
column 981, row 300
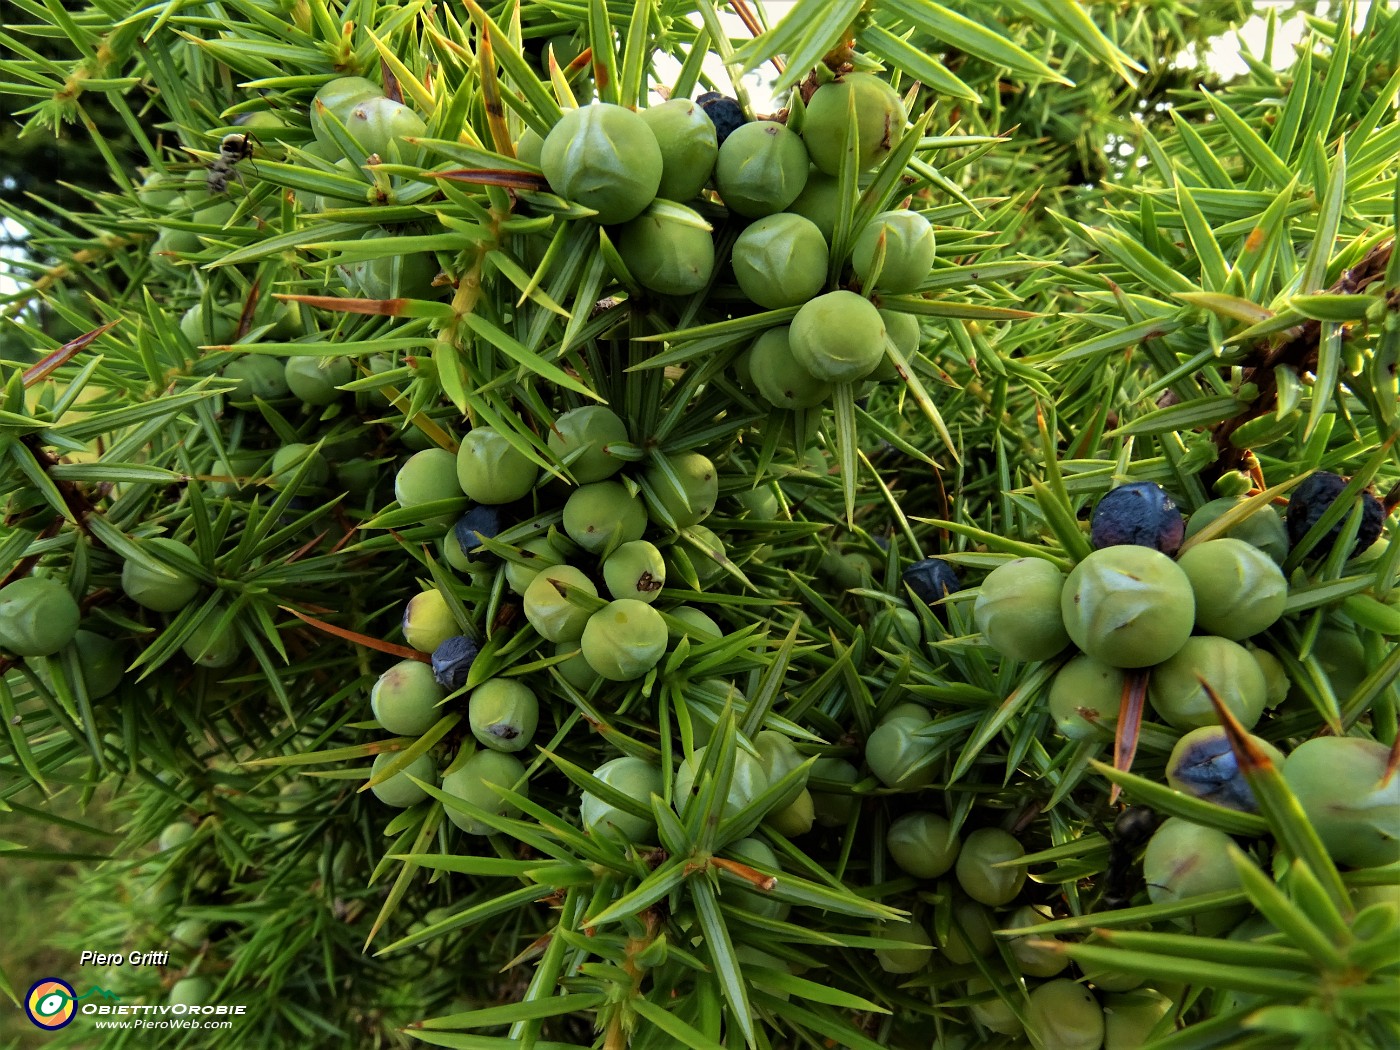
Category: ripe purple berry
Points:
column 724, row 112
column 452, row 660
column 1310, row 501
column 1141, row 514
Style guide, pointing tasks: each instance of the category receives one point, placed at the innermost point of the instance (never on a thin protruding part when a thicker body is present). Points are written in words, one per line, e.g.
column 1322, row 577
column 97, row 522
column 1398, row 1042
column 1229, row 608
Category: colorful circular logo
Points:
column 50, row 1003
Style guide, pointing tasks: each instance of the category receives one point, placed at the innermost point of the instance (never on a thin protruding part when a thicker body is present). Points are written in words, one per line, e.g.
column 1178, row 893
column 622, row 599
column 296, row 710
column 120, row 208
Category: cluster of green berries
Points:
column 591, row 588
column 1131, row 605
column 644, row 172
column 986, row 894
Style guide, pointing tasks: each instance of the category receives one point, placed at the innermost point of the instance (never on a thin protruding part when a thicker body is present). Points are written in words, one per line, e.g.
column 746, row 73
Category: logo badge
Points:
column 51, row 1003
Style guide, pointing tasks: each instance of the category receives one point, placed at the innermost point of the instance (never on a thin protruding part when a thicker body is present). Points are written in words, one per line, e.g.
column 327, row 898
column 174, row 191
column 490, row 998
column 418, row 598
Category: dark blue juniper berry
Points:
column 1138, row 514
column 481, row 521
column 1310, row 501
column 931, row 581
column 452, row 660
column 1209, row 770
column 724, row 112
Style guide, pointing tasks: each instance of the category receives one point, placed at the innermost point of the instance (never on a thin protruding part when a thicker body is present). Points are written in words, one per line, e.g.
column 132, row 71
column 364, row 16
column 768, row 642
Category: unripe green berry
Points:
column 604, row 514
column 1032, row 960
column 1276, row 680
column 38, row 616
column 1131, row 1017
column 794, row 819
column 1263, row 528
column 190, row 933
column 315, row 379
column 175, row 835
column 992, row 1012
column 904, row 960
column 838, row 337
column 101, row 662
column 899, row 758
column 1018, row 609
column 428, row 477
column 971, row 934
column 162, row 588
column 550, row 613
column 904, row 332
column 530, row 147
column 591, row 429
column 909, row 251
column 380, row 126
column 761, row 169
column 694, row 501
column 288, row 460
column 1185, row 860
column 917, row 712
column 339, row 97
column 977, row 866
column 706, row 553
column 428, row 621
column 491, row 470
column 779, row 757
column 405, row 698
column 1128, row 606
column 575, row 669
column 833, row 808
column 472, row 782
column 1085, row 698
column 879, row 118
column 777, row 375
column 780, row 260
column 705, row 629
column 637, row 779
column 668, row 249
column 819, row 202
column 1064, row 1015
column 503, row 714
column 635, row 570
column 896, row 629
column 923, row 844
column 747, row 782
column 191, row 991
column 216, row 326
column 1239, row 589
column 689, row 149
column 624, row 640
column 258, row 376
column 1177, row 694
column 399, row 791
column 541, row 554
column 1351, row 797
column 604, row 157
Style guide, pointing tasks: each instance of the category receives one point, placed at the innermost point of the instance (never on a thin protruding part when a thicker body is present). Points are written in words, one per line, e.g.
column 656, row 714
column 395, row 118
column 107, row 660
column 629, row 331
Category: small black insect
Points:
column 1131, row 831
column 232, row 149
